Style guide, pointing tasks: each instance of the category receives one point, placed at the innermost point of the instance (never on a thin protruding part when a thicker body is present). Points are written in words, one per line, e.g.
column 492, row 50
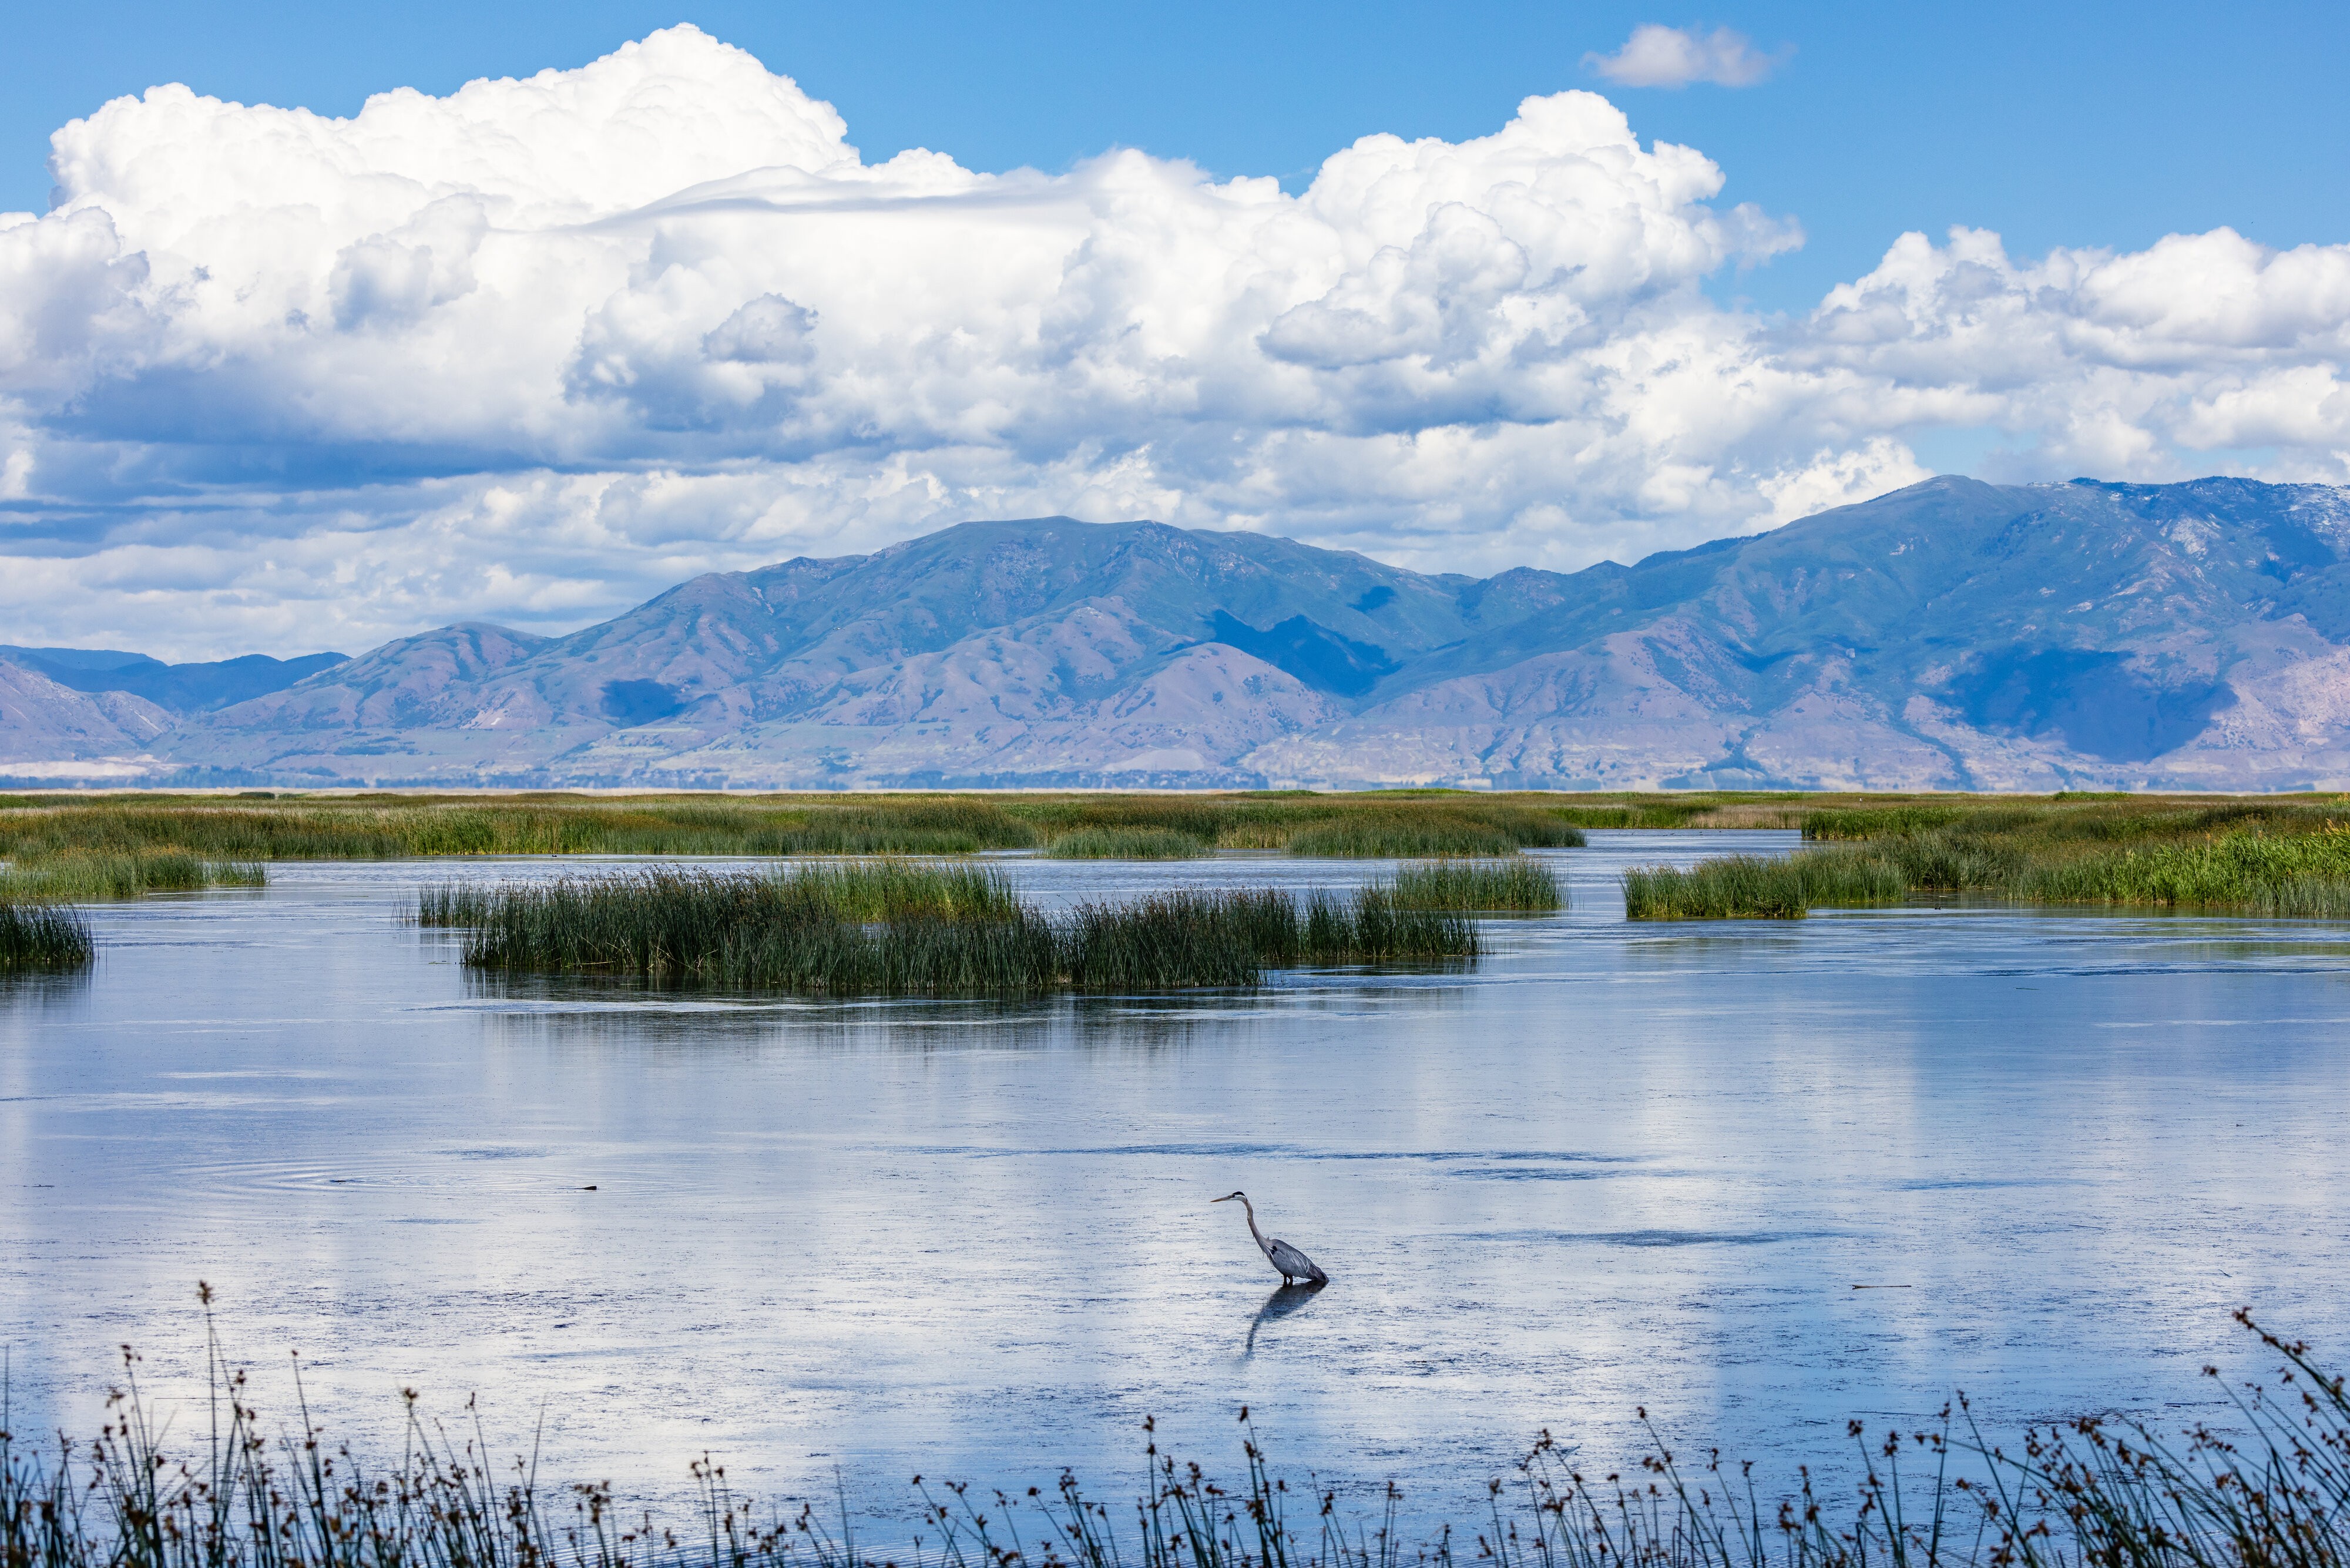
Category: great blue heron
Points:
column 1292, row 1263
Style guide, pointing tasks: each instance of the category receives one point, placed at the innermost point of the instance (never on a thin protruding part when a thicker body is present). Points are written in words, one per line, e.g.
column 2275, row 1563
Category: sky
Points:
column 274, row 380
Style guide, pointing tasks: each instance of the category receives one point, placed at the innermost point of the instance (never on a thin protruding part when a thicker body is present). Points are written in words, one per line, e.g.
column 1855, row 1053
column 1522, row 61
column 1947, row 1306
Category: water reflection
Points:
column 1608, row 1166
column 1284, row 1300
column 45, row 993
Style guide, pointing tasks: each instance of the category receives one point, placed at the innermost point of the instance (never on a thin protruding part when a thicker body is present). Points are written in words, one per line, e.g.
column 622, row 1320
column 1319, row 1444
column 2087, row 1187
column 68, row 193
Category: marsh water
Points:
column 1758, row 1178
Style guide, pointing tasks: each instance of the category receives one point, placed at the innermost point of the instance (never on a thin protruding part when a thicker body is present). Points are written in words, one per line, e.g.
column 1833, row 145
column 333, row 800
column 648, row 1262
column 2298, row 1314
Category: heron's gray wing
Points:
column 1290, row 1261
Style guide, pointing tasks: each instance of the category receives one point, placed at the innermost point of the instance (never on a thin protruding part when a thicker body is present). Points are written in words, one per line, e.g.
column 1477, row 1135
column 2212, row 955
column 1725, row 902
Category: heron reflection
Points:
column 1284, row 1300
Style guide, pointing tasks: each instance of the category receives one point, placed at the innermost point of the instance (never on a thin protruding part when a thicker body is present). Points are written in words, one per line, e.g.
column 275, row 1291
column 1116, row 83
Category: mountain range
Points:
column 1950, row 634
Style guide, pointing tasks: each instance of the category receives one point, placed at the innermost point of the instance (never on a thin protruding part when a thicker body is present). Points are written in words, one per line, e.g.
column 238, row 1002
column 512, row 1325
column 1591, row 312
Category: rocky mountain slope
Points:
column 1954, row 634
column 49, row 730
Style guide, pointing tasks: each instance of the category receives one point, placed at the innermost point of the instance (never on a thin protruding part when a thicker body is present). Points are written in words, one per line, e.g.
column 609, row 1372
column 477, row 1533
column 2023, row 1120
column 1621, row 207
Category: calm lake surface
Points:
column 1611, row 1165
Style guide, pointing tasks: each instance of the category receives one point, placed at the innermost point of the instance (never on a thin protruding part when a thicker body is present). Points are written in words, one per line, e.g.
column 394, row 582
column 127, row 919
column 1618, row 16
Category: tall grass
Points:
column 1170, row 940
column 2093, row 1491
column 899, row 928
column 87, row 878
column 395, row 826
column 2273, row 857
column 1401, row 833
column 37, row 937
column 407, row 827
column 2306, row 873
column 862, row 890
column 1756, row 887
column 1154, row 943
column 1516, row 885
column 1124, row 844
column 886, row 927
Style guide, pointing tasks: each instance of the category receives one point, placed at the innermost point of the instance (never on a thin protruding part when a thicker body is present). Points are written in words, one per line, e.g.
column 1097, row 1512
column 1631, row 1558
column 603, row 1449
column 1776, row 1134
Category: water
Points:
column 1613, row 1166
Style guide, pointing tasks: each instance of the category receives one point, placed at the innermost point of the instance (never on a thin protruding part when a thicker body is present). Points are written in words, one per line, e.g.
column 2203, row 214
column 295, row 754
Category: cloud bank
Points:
column 534, row 350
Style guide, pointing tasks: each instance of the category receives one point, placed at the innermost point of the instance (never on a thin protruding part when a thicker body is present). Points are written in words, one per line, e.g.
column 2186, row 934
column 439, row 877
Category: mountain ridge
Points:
column 1954, row 634
column 179, row 689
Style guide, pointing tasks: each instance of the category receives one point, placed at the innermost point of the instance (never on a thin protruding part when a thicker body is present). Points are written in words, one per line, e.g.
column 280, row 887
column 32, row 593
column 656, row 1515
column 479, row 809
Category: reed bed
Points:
column 2284, row 859
column 897, row 928
column 1179, row 939
column 1126, row 844
column 1377, row 825
column 1400, row 834
column 1171, row 940
column 395, row 826
column 886, row 928
column 38, row 938
column 1756, row 887
column 2270, row 1488
column 85, row 877
column 410, row 827
column 1516, row 886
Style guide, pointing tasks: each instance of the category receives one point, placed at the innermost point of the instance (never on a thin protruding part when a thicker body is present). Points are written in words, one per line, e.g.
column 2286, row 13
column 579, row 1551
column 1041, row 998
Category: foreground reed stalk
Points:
column 891, row 928
column 2095, row 1492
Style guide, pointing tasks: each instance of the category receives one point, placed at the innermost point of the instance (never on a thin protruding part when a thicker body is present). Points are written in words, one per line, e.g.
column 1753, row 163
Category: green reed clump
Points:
column 1233, row 935
column 859, row 890
column 1370, row 823
column 1398, row 835
column 1757, row 887
column 454, row 904
column 1124, row 844
column 1203, row 817
column 896, row 928
column 892, row 889
column 1878, row 822
column 84, row 877
column 1644, row 813
column 1375, row 928
column 2276, row 857
column 946, row 826
column 1517, row 884
column 1168, row 940
column 43, row 937
column 2269, row 1487
column 2244, row 871
column 886, row 927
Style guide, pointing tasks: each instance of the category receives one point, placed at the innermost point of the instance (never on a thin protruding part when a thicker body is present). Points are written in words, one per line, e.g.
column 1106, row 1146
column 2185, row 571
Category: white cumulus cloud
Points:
column 1658, row 55
column 538, row 349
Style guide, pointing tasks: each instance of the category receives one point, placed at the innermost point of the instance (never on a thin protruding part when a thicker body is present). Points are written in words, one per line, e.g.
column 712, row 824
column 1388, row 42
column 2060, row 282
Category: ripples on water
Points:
column 1758, row 1178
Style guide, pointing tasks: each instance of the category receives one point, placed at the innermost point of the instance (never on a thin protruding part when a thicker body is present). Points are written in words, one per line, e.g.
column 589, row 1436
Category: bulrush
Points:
column 897, row 928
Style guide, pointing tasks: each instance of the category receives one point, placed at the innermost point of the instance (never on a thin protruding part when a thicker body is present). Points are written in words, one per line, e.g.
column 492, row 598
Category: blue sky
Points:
column 530, row 350
column 2079, row 124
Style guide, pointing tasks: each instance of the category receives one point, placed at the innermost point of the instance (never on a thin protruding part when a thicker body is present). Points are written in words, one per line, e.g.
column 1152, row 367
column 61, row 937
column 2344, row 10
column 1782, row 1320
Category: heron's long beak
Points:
column 1227, row 1198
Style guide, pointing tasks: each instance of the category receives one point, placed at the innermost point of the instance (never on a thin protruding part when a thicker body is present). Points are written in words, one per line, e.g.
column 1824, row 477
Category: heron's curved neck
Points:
column 1251, row 1217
